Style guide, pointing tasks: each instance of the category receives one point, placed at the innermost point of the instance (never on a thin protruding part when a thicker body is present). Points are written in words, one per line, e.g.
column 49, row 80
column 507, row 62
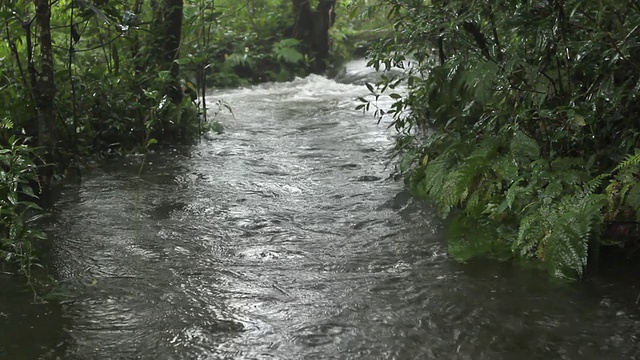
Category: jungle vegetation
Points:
column 82, row 79
column 520, row 123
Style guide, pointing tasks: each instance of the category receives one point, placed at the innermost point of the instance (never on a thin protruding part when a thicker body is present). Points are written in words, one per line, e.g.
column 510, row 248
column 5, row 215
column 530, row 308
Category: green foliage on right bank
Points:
column 520, row 121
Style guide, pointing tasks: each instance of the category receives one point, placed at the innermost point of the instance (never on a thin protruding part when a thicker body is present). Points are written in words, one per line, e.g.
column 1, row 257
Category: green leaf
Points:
column 524, row 146
column 13, row 198
column 369, row 87
column 183, row 61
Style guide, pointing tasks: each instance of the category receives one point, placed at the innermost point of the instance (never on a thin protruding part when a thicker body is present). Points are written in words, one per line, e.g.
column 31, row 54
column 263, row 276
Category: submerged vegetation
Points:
column 520, row 122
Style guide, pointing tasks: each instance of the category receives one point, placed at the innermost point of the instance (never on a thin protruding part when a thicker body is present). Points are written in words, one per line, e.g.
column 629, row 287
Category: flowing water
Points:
column 284, row 239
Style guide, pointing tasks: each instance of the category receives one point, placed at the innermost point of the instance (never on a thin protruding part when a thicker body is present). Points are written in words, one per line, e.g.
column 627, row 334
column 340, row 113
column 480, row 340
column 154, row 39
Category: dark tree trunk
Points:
column 312, row 26
column 136, row 45
column 323, row 19
column 43, row 85
column 166, row 32
column 171, row 45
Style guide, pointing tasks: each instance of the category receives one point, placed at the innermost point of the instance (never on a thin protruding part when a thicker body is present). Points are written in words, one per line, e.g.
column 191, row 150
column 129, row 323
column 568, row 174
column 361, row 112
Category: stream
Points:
column 284, row 238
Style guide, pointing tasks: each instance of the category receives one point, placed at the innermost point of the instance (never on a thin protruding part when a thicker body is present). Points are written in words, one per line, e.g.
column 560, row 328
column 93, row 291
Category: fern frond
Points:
column 506, row 168
column 633, row 199
column 470, row 236
column 629, row 161
column 524, row 147
column 552, row 191
column 6, row 123
column 467, row 177
column 591, row 186
column 531, row 233
column 573, row 223
column 622, row 188
column 435, row 175
column 455, row 188
column 514, row 190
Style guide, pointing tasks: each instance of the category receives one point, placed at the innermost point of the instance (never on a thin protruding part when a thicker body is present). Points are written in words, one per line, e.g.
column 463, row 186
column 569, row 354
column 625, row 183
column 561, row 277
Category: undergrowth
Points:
column 18, row 208
column 519, row 123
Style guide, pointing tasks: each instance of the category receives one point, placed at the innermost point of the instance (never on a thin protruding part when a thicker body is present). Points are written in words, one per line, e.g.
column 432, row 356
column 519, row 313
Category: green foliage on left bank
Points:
column 18, row 208
column 81, row 79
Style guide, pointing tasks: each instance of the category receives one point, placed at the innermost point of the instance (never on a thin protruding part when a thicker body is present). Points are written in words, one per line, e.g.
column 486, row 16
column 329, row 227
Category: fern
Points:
column 514, row 192
column 559, row 233
column 573, row 224
column 524, row 147
column 532, row 232
column 286, row 50
column 623, row 190
column 506, row 168
column 536, row 208
column 471, row 236
column 450, row 182
column 6, row 123
column 525, row 170
column 593, row 185
column 455, row 189
column 629, row 161
column 435, row 175
column 633, row 199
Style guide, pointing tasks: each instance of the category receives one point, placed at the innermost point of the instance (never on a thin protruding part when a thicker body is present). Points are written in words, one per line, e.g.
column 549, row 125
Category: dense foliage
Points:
column 520, row 122
column 18, row 211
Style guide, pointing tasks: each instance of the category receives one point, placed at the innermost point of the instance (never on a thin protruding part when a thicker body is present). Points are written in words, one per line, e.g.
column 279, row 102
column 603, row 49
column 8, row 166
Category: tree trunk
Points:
column 136, row 45
column 43, row 84
column 171, row 46
column 312, row 26
column 323, row 19
column 302, row 12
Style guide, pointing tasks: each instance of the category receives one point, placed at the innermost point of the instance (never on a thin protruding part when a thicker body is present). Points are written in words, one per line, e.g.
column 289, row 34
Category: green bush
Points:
column 18, row 211
column 516, row 115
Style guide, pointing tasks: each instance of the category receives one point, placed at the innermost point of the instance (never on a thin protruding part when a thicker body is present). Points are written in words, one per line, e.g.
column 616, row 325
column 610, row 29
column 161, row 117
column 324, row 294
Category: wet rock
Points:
column 369, row 178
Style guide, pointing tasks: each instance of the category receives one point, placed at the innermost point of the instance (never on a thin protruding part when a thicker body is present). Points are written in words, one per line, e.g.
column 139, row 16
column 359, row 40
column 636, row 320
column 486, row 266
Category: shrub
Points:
column 517, row 113
column 18, row 211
